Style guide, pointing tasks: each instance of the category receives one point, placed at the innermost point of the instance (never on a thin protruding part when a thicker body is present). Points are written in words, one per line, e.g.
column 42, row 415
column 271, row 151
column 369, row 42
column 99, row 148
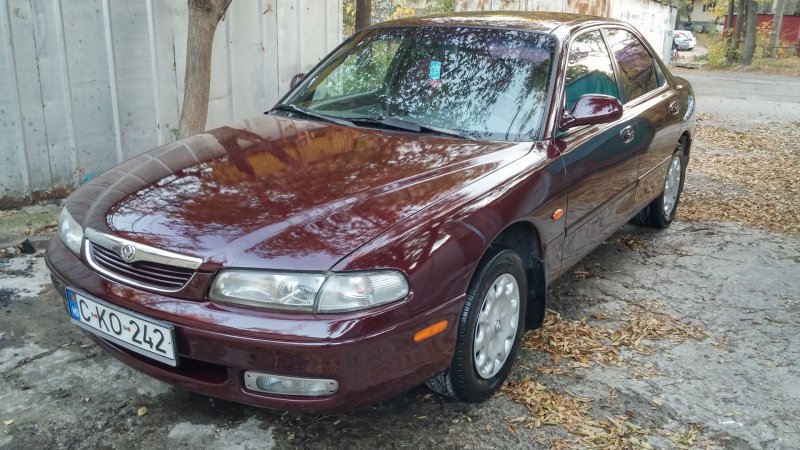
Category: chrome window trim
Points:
column 87, row 251
column 143, row 252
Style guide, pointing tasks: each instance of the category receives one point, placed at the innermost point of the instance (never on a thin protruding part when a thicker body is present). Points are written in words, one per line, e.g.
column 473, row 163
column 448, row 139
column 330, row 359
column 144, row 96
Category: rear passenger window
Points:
column 637, row 68
column 589, row 69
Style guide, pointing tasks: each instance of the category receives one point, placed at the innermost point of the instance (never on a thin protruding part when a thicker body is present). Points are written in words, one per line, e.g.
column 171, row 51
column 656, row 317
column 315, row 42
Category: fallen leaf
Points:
column 8, row 422
column 744, row 176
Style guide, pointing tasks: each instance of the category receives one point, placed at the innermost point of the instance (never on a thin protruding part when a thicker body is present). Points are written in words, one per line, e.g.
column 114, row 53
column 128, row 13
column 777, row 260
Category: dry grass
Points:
column 789, row 66
column 753, row 174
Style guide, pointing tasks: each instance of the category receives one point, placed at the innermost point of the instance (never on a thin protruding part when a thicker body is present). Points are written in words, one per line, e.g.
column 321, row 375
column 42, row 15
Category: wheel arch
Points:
column 523, row 238
column 686, row 141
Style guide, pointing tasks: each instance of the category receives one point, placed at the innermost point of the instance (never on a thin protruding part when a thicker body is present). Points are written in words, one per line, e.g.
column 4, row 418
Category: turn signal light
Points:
column 430, row 331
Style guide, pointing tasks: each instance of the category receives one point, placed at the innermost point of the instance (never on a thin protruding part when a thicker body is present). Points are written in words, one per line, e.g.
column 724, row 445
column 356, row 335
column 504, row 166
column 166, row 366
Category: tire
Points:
column 472, row 375
column 660, row 212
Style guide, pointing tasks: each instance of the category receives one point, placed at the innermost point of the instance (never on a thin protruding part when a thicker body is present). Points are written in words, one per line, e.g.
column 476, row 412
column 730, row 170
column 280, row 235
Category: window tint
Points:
column 636, row 66
column 486, row 83
column 589, row 69
column 360, row 72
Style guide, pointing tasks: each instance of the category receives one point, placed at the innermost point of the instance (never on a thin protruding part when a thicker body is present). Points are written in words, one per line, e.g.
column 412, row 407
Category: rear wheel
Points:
column 489, row 330
column 660, row 212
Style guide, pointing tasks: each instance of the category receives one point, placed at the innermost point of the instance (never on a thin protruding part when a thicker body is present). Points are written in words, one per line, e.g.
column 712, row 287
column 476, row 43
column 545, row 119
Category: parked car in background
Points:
column 394, row 220
column 683, row 40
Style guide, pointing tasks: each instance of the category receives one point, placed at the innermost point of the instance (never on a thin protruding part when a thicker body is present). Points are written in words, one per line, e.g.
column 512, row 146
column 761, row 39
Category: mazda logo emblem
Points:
column 127, row 252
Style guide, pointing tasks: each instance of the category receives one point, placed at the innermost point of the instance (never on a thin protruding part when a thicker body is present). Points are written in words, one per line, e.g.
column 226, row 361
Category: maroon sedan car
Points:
column 394, row 220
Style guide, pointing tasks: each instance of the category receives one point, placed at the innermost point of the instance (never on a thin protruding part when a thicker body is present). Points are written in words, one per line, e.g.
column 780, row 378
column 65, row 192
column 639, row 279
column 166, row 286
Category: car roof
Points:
column 540, row 21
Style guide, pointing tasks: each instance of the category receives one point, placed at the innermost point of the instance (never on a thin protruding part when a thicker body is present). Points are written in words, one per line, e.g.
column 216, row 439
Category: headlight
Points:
column 309, row 292
column 70, row 231
column 348, row 291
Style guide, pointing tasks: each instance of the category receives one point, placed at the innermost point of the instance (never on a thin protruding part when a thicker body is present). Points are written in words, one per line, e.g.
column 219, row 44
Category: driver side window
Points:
column 362, row 72
column 589, row 69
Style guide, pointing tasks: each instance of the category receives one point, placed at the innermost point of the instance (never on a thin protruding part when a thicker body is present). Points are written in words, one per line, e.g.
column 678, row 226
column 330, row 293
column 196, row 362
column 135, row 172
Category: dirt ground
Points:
column 681, row 338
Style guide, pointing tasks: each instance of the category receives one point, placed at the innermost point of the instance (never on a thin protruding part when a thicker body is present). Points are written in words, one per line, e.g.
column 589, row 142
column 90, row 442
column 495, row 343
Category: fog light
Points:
column 283, row 385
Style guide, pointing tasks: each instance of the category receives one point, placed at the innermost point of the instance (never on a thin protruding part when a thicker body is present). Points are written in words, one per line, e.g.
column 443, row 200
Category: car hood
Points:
column 271, row 192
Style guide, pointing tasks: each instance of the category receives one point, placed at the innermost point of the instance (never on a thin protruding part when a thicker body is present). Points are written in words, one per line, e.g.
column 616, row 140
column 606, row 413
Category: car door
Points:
column 601, row 161
column 653, row 103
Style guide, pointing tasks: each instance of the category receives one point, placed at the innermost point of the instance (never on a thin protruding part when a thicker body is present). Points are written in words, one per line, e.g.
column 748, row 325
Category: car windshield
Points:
column 481, row 83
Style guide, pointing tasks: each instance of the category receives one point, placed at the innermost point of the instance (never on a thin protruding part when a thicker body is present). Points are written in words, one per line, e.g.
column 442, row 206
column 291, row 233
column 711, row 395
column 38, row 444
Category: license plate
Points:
column 126, row 328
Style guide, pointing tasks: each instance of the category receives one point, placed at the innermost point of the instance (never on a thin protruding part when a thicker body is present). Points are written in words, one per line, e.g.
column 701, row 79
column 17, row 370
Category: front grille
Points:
column 144, row 273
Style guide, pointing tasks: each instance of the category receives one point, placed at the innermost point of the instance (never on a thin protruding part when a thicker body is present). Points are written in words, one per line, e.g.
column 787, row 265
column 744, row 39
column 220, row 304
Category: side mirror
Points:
column 296, row 80
column 592, row 109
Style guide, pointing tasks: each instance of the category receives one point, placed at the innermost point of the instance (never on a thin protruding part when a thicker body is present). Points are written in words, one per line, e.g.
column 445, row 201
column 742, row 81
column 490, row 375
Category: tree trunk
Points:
column 750, row 34
column 363, row 14
column 777, row 18
column 204, row 15
column 729, row 17
column 740, row 18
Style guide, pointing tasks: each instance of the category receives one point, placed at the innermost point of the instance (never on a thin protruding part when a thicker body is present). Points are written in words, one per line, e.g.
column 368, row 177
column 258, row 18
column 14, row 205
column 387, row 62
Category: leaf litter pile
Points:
column 573, row 413
column 579, row 344
column 745, row 176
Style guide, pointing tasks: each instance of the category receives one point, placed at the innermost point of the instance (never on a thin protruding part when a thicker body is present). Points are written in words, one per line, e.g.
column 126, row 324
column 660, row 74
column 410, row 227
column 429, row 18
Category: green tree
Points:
column 685, row 8
column 440, row 6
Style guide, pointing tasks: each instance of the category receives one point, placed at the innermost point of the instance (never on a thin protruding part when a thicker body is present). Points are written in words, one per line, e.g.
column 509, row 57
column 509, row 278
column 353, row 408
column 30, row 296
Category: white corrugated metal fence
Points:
column 87, row 84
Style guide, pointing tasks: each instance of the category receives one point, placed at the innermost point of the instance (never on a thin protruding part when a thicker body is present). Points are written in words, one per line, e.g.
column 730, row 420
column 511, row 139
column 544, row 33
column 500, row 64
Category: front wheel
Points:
column 660, row 212
column 489, row 331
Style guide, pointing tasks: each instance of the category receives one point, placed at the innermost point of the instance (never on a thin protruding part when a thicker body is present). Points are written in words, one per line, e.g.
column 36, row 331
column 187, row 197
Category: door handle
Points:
column 674, row 108
column 626, row 135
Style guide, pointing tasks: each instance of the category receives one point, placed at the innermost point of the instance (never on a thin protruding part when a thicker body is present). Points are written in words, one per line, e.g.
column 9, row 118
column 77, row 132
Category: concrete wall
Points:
column 87, row 84
column 655, row 20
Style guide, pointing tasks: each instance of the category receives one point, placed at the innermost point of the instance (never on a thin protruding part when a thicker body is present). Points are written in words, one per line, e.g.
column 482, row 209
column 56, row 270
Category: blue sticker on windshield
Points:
column 436, row 70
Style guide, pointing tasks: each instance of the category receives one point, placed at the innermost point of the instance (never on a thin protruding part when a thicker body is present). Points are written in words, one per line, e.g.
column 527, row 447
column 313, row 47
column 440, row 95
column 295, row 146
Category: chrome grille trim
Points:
column 143, row 252
column 168, row 272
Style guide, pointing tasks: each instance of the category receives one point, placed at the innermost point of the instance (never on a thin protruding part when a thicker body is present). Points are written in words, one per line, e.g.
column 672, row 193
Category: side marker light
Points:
column 430, row 331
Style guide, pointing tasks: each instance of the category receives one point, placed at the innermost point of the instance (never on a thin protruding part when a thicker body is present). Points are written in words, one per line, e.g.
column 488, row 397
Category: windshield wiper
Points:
column 303, row 112
column 407, row 125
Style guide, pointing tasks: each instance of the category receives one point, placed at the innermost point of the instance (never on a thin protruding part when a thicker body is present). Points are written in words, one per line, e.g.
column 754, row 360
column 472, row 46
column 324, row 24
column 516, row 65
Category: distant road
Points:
column 750, row 97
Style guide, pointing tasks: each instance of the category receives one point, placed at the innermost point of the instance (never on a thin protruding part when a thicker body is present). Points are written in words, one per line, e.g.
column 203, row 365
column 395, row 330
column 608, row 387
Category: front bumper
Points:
column 371, row 356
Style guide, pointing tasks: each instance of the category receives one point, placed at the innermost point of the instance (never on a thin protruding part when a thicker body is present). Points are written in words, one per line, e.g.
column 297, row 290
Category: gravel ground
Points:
column 717, row 366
